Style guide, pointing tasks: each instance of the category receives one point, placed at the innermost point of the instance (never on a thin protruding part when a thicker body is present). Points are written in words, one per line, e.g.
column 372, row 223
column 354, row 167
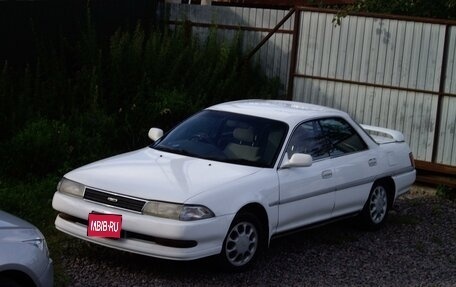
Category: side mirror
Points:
column 155, row 134
column 298, row 160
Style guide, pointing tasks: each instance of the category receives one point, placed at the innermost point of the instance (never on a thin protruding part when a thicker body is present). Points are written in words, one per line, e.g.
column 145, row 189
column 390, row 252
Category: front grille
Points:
column 114, row 200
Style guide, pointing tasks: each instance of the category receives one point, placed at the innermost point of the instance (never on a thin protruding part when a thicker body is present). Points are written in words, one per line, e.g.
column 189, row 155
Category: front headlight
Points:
column 195, row 212
column 162, row 209
column 39, row 242
column 177, row 211
column 70, row 187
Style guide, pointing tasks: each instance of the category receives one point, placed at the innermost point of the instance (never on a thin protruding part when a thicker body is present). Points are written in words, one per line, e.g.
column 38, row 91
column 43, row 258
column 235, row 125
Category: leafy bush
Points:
column 92, row 95
column 93, row 136
column 80, row 101
column 38, row 149
column 31, row 200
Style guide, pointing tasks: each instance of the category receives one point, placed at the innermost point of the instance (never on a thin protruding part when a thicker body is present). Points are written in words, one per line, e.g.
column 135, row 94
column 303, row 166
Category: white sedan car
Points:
column 230, row 178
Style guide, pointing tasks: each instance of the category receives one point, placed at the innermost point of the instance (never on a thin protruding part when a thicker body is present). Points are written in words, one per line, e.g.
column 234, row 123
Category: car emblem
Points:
column 112, row 199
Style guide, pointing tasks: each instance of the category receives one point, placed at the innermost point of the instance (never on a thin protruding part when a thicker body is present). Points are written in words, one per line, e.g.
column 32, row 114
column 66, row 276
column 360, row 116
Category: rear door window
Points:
column 342, row 136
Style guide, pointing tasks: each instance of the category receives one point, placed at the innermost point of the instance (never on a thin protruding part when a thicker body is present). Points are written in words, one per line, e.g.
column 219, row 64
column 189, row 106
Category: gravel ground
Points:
column 416, row 248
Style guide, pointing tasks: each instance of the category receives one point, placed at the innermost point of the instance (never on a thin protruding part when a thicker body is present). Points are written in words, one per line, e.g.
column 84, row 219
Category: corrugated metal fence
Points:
column 252, row 24
column 383, row 71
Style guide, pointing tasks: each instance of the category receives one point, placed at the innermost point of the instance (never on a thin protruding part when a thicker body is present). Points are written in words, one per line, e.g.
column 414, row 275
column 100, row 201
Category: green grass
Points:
column 446, row 192
column 32, row 200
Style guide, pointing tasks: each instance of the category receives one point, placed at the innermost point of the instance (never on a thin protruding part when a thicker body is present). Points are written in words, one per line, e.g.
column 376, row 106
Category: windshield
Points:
column 227, row 137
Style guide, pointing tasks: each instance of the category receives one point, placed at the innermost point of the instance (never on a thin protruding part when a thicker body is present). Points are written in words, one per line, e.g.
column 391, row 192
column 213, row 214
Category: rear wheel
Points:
column 242, row 243
column 376, row 209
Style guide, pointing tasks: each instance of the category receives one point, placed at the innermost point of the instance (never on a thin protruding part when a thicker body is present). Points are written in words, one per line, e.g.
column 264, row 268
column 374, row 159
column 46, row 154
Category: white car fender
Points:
column 261, row 188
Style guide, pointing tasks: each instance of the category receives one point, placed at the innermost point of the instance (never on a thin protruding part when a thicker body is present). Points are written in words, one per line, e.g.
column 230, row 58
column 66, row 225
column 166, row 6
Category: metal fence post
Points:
column 294, row 53
column 446, row 45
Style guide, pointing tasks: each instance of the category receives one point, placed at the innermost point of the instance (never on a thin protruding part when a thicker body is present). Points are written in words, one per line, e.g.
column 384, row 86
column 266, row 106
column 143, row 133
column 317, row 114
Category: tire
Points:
column 6, row 281
column 243, row 243
column 375, row 211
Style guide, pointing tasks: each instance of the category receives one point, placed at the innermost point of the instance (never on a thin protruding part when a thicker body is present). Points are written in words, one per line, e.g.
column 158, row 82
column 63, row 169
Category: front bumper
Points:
column 208, row 234
column 47, row 277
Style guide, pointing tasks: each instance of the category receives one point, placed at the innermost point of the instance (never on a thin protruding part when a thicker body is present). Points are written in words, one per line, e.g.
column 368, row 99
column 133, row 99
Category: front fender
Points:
column 261, row 187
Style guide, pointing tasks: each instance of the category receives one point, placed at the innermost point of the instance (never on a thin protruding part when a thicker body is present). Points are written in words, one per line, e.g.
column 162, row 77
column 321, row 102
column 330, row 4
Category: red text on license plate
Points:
column 104, row 225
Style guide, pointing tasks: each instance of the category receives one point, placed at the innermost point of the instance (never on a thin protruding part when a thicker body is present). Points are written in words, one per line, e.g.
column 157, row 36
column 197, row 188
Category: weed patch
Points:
column 446, row 192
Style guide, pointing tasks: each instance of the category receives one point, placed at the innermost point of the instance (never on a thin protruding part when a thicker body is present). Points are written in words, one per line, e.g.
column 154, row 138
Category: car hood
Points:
column 8, row 221
column 156, row 175
column 14, row 229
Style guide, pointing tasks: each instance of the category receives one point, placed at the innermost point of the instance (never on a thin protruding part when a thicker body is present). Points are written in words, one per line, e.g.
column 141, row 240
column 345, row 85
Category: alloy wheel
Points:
column 378, row 204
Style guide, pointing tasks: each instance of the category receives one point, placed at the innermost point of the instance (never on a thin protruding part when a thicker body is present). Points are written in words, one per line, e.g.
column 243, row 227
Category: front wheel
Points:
column 242, row 243
column 6, row 281
column 375, row 211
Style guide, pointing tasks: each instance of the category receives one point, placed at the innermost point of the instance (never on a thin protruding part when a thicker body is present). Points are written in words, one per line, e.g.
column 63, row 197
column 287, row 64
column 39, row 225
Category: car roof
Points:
column 290, row 112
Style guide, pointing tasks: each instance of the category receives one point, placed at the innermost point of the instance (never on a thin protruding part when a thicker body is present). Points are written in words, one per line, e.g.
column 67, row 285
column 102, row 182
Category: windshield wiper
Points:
column 245, row 162
column 175, row 150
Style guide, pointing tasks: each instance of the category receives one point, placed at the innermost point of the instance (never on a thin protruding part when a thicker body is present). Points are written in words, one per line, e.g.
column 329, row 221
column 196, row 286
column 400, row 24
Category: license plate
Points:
column 104, row 225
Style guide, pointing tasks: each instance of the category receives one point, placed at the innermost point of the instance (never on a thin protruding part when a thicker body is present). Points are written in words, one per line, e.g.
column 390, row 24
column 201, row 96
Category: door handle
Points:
column 326, row 174
column 372, row 162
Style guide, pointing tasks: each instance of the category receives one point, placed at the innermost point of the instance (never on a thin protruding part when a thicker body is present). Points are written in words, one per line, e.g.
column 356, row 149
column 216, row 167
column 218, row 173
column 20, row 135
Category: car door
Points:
column 307, row 194
column 354, row 165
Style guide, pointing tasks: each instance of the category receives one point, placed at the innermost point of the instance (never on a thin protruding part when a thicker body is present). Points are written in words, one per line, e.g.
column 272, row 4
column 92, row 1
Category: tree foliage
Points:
column 89, row 98
column 444, row 9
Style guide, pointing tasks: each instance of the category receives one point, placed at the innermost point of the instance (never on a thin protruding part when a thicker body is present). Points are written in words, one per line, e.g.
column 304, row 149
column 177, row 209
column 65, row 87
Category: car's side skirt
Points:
column 313, row 225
